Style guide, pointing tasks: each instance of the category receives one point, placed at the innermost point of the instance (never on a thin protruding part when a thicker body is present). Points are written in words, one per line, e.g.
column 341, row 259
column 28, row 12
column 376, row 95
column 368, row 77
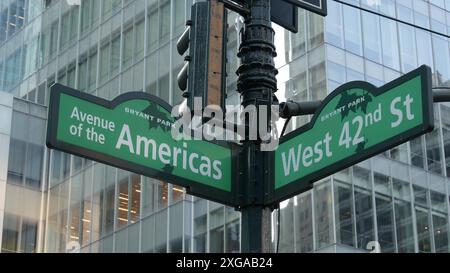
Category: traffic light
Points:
column 182, row 47
column 204, row 73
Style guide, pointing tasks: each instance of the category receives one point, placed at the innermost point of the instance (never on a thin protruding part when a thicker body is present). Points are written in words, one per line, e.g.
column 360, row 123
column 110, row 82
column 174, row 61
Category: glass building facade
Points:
column 55, row 202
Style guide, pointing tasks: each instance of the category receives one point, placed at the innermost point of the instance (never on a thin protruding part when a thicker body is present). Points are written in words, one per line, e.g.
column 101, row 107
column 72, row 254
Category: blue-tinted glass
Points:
column 390, row 43
column 334, row 27
column 352, row 29
column 372, row 41
column 407, row 48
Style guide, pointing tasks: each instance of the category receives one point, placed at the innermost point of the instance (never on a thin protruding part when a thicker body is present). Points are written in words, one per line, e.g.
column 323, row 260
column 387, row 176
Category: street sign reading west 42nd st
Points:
column 354, row 123
column 133, row 132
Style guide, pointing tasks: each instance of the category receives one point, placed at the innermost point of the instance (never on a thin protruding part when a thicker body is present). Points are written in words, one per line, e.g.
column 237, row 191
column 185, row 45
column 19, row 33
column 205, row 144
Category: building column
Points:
column 6, row 104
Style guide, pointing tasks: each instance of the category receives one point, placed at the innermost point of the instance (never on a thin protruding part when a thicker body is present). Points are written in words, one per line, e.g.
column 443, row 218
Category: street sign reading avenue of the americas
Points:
column 354, row 123
column 133, row 132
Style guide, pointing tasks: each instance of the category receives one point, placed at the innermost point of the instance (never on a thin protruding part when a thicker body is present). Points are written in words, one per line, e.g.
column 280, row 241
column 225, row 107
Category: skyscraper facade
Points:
column 55, row 202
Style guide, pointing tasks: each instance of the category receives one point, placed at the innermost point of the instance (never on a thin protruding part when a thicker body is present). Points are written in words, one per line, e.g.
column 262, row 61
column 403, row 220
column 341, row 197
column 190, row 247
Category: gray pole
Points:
column 257, row 84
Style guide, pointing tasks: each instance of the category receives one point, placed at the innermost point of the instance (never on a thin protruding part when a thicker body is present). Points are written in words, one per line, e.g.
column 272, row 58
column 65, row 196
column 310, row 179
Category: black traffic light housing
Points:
column 204, row 73
column 182, row 47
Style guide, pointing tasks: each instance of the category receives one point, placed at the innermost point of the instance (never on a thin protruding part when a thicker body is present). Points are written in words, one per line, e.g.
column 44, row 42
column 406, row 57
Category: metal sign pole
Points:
column 257, row 84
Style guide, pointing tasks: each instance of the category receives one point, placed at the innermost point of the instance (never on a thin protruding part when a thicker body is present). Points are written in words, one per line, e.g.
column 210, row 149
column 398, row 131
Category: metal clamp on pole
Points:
column 441, row 94
column 292, row 109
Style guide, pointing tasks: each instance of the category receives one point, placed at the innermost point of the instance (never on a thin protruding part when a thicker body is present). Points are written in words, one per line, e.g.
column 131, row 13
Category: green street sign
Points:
column 354, row 123
column 133, row 132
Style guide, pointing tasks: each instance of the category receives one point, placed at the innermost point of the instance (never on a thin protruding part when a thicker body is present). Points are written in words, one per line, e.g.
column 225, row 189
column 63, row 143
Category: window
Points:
column 62, row 77
column 364, row 217
column 286, row 226
column 41, row 94
column 421, row 17
column 232, row 227
column 73, row 24
column 11, row 230
column 323, row 215
column 3, row 24
column 17, row 158
column 420, row 196
column 304, row 223
column 217, row 244
column 127, row 52
column 65, row 29
column 34, row 165
column 161, row 232
column 71, row 75
column 344, row 213
column 13, row 70
column 152, row 29
column 115, row 55
column 434, row 152
column 179, row 15
column 82, row 74
column 99, row 184
column 75, row 208
column 12, row 18
column 232, row 237
column 442, row 60
column 318, row 81
column 123, row 198
column 107, row 5
column 20, row 16
column 390, row 43
column 107, row 197
column 352, row 29
column 110, row 6
column 408, row 48
column 28, row 236
column 424, row 55
column 295, row 43
column 403, row 219
column 104, row 63
column 334, row 25
column 85, row 16
column 26, row 150
column 164, row 20
column 200, row 233
column 135, row 202
column 437, row 19
column 316, row 32
column 176, row 228
column 385, row 216
column 44, row 47
column 372, row 40
column 148, row 235
column 54, row 39
column 417, row 156
column 440, row 225
column 30, row 59
column 95, row 11
column 423, row 230
column 154, row 194
column 48, row 3
column 445, row 114
column 140, row 36
column 92, row 66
